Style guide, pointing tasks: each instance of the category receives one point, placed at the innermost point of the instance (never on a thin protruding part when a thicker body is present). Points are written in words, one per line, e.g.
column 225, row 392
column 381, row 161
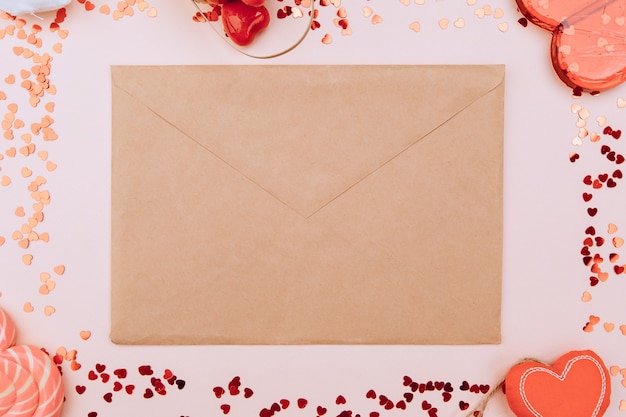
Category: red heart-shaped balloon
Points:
column 576, row 385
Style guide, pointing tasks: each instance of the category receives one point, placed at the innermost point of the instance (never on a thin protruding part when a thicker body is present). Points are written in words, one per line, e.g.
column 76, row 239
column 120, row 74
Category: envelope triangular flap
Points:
column 306, row 134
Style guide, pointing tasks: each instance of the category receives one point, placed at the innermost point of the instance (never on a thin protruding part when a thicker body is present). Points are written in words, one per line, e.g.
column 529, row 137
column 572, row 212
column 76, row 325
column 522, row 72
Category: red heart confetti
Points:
column 302, row 403
column 218, row 391
column 80, row 389
column 145, row 370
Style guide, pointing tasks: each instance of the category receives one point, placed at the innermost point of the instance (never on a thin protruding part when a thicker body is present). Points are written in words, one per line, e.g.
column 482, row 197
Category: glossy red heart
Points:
column 576, row 385
column 242, row 22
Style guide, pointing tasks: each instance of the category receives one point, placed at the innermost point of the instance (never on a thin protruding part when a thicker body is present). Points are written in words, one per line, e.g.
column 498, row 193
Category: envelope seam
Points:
column 384, row 163
column 210, row 151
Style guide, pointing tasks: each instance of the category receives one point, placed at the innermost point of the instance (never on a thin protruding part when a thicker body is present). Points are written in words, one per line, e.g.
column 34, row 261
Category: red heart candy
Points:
column 576, row 385
column 243, row 22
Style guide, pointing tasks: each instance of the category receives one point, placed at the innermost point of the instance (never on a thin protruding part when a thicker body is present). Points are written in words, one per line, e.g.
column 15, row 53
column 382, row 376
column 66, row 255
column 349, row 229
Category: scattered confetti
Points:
column 415, row 26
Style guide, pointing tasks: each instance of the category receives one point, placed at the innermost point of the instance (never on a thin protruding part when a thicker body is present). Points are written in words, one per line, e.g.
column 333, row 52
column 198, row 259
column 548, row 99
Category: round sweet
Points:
column 45, row 374
column 7, row 331
column 22, row 394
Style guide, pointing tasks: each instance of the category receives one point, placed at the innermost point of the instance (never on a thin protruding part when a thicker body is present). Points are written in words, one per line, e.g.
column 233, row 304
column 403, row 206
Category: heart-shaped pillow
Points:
column 576, row 385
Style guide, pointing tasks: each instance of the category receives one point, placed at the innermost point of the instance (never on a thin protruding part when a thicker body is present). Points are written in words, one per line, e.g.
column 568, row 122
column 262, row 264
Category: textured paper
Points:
column 306, row 204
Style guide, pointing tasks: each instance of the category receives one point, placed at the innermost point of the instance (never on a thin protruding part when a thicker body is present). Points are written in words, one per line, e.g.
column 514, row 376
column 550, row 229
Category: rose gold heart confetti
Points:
column 152, row 12
column 43, row 290
column 26, row 172
column 142, row 5
column 601, row 120
column 618, row 242
column 104, row 9
column 28, row 307
column 614, row 370
column 498, row 13
column 2, row 240
column 415, row 26
column 59, row 269
column 480, row 13
column 594, row 137
column 577, row 141
column 19, row 212
column 612, row 228
column 24, row 243
column 71, row 355
column 44, row 237
column 503, row 27
column 51, row 285
column 85, row 334
column 367, row 11
column 327, row 39
column 3, row 95
column 376, row 19
column 27, row 259
column 608, row 327
column 43, row 155
column 57, row 47
column 17, row 235
column 586, row 297
column 49, row 310
column 51, row 166
column 622, row 329
column 471, row 2
column 405, row 2
column 459, row 23
column 622, row 405
column 6, row 181
column 443, row 23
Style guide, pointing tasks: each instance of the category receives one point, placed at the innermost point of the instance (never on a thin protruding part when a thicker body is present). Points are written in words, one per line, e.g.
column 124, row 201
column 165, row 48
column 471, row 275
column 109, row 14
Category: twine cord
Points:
column 479, row 409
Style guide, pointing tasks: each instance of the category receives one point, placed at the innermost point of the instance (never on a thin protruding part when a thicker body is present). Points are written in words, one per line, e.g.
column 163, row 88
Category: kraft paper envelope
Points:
column 307, row 204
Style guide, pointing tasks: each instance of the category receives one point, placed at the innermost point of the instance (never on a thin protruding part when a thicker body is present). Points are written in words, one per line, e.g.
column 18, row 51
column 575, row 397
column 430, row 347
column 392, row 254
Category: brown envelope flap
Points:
column 300, row 163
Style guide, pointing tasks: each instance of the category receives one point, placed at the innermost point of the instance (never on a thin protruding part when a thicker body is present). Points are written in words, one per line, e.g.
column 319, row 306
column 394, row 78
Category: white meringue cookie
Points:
column 18, row 7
